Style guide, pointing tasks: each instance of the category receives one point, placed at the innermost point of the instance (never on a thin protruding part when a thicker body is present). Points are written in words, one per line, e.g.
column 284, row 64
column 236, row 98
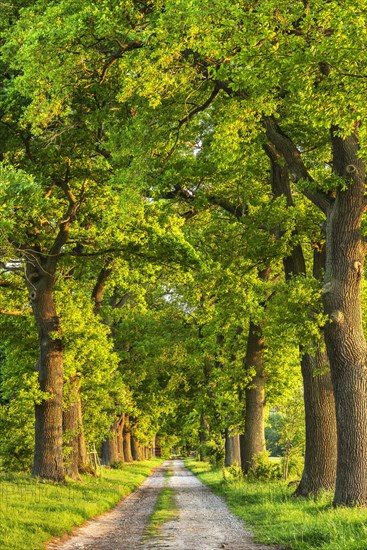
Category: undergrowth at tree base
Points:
column 33, row 512
column 276, row 517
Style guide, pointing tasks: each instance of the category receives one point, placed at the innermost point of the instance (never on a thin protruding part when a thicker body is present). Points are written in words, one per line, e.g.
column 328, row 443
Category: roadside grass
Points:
column 33, row 512
column 275, row 517
column 165, row 509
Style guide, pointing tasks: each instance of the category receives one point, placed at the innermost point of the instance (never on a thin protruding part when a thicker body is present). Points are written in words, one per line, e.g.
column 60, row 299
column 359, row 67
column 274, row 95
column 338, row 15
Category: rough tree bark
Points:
column 76, row 459
column 70, row 426
column 203, row 436
column 109, row 447
column 136, row 450
column 228, row 449
column 320, row 454
column 83, row 460
column 253, row 440
column 120, row 438
column 236, row 448
column 113, row 445
column 48, row 457
column 321, row 449
column 232, row 449
column 40, row 270
column 345, row 341
column 112, row 448
column 127, row 441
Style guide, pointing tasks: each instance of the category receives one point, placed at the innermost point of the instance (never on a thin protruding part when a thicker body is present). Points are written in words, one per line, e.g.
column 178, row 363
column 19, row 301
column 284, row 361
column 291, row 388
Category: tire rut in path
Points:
column 204, row 523
column 123, row 527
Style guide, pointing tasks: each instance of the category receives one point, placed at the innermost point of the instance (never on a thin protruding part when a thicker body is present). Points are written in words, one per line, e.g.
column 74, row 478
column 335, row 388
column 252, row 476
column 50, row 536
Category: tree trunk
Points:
column 320, row 454
column 135, row 448
column 120, row 438
column 127, row 441
column 48, row 457
column 253, row 441
column 228, row 448
column 75, row 453
column 109, row 447
column 236, row 449
column 203, row 435
column 232, row 449
column 321, row 449
column 345, row 341
column 153, row 445
column 83, row 459
column 71, row 428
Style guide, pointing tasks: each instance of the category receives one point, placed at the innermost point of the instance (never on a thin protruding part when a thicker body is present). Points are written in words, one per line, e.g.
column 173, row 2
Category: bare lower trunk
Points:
column 203, row 435
column 135, row 448
column 320, row 457
column 71, row 430
column 346, row 344
column 236, row 449
column 83, row 460
column 228, row 449
column 253, row 441
column 127, row 441
column 232, row 449
column 75, row 453
column 109, row 447
column 48, row 456
column 320, row 454
column 344, row 338
column 120, row 438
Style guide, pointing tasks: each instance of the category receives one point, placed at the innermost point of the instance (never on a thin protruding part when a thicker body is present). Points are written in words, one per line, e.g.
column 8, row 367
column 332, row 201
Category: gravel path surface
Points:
column 204, row 523
column 123, row 527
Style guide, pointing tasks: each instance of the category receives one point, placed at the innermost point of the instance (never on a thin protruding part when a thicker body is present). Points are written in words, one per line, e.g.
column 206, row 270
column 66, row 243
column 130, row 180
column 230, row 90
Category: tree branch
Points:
column 64, row 225
column 98, row 290
column 285, row 146
column 276, row 136
column 238, row 211
column 200, row 108
column 133, row 45
column 17, row 312
column 118, row 303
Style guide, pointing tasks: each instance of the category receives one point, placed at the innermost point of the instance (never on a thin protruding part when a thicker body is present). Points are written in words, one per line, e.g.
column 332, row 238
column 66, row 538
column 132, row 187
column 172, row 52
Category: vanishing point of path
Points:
column 204, row 521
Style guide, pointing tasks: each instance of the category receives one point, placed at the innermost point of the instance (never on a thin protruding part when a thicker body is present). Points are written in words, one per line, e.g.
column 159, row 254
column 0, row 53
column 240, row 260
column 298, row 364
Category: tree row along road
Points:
column 204, row 520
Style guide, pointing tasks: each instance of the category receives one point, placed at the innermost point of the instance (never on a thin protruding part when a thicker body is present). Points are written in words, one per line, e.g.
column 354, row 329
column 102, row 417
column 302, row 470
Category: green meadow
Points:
column 274, row 516
column 32, row 512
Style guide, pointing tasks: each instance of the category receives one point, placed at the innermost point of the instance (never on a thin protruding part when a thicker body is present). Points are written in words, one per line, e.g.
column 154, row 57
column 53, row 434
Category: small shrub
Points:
column 292, row 466
column 213, row 451
column 263, row 470
column 233, row 472
column 117, row 465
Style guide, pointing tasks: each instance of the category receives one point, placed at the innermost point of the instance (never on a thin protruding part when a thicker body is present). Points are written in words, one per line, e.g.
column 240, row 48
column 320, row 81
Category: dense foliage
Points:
column 168, row 183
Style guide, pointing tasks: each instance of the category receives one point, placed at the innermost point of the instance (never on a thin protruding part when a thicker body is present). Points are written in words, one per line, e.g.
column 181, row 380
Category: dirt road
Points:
column 204, row 522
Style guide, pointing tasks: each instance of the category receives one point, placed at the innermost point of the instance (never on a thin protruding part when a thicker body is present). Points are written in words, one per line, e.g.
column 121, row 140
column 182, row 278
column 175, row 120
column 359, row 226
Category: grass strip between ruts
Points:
column 165, row 509
column 32, row 512
column 275, row 517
